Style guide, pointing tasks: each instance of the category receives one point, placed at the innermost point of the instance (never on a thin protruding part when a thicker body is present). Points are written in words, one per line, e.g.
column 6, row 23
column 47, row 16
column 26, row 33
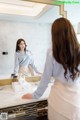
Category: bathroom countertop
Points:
column 9, row 97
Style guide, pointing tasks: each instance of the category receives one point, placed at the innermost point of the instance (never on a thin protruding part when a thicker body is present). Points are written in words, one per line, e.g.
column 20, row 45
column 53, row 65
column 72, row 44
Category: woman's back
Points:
column 58, row 71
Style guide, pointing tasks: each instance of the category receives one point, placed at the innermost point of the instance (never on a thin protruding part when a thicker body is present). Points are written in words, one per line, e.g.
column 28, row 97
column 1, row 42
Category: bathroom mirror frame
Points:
column 62, row 12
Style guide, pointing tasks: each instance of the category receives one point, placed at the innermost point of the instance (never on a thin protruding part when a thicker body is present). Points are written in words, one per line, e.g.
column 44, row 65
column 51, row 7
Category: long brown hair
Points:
column 18, row 42
column 65, row 46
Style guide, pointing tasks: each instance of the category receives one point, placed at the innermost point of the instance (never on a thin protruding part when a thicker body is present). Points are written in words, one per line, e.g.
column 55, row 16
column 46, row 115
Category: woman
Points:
column 63, row 63
column 23, row 60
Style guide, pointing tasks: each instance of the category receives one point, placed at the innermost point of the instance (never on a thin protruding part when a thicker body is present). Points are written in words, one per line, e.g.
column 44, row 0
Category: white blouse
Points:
column 23, row 60
column 53, row 68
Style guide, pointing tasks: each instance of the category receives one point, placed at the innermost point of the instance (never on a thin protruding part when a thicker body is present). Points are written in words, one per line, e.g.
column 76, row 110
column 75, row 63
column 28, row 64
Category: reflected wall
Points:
column 36, row 32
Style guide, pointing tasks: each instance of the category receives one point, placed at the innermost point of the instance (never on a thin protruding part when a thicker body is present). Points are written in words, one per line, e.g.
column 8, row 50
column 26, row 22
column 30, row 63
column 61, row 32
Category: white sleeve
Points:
column 48, row 70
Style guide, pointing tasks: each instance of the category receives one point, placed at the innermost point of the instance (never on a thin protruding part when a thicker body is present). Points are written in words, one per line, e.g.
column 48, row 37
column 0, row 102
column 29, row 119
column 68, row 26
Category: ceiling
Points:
column 25, row 8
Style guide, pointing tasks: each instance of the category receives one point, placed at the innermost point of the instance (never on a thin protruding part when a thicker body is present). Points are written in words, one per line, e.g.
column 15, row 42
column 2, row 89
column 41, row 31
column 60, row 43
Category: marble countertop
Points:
column 9, row 97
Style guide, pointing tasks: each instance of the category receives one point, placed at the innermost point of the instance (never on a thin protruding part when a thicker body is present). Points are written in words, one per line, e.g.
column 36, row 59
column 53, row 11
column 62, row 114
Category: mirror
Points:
column 34, row 28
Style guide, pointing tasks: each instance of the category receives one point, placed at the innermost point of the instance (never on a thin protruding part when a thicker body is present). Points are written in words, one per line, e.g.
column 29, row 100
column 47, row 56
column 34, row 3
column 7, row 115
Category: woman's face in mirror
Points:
column 22, row 45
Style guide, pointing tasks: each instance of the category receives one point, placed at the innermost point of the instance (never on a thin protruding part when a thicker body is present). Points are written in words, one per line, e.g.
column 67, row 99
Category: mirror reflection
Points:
column 34, row 28
column 24, row 63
